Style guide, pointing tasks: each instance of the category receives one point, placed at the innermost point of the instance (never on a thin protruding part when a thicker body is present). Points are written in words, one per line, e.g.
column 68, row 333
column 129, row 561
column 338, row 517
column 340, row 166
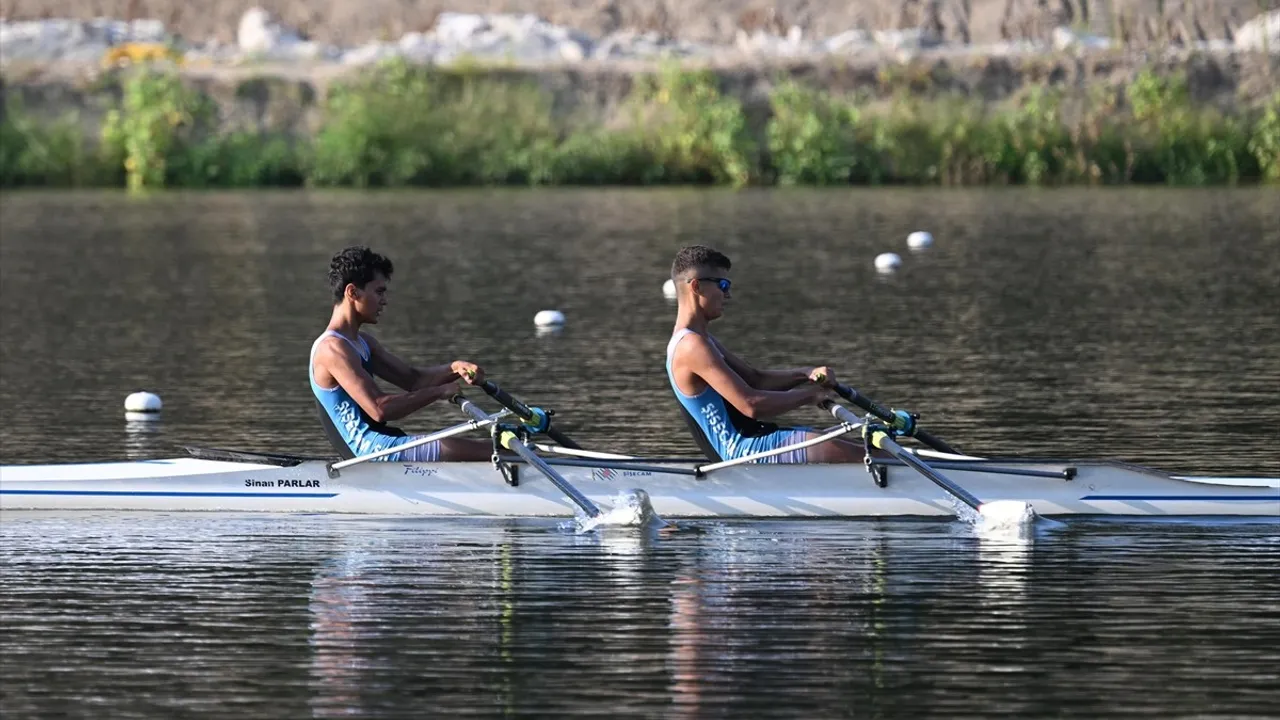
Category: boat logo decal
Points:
column 289, row 483
column 606, row 474
column 419, row 470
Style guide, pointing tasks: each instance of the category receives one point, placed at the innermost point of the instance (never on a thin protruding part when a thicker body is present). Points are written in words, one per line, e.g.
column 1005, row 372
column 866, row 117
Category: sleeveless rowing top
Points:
column 352, row 425
column 717, row 426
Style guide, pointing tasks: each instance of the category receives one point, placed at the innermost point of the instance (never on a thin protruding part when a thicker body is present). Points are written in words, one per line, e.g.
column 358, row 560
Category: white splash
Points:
column 1000, row 519
column 631, row 508
column 1010, row 519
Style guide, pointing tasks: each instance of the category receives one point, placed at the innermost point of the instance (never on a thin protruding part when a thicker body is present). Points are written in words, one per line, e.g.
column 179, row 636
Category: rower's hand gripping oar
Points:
column 1003, row 511
column 536, row 419
column 898, row 420
column 509, row 440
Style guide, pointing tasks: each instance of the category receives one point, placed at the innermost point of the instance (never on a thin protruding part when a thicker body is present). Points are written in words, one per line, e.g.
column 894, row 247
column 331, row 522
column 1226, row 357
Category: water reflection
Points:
column 338, row 602
column 387, row 617
column 141, row 439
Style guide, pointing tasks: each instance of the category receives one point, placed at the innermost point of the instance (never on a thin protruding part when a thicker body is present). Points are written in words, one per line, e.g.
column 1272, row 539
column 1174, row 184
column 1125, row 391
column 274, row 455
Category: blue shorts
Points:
column 773, row 441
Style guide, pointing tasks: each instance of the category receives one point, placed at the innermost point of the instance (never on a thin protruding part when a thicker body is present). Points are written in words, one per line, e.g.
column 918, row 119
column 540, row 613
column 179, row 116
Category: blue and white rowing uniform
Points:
column 722, row 431
column 352, row 425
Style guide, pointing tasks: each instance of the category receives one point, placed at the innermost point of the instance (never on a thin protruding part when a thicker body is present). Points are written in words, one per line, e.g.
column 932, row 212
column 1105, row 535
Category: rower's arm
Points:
column 697, row 356
column 388, row 366
column 341, row 362
column 763, row 379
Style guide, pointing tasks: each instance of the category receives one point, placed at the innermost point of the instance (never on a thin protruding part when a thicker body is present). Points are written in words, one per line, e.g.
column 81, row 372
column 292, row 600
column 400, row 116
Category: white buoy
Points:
column 669, row 289
column 888, row 262
column 142, row 406
column 548, row 318
column 919, row 240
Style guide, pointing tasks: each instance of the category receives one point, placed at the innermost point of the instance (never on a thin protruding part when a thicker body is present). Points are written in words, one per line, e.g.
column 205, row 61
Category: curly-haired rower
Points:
column 344, row 362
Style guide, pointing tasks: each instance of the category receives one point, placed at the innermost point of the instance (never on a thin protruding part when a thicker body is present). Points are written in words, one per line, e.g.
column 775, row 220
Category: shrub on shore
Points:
column 402, row 125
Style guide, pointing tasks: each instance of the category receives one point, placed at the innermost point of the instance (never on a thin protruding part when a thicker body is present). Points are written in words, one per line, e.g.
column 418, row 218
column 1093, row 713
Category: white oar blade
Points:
column 1007, row 513
column 631, row 508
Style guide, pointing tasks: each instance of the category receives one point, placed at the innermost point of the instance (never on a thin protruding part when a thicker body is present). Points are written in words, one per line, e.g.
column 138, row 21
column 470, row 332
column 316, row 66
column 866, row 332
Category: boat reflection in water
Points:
column 339, row 659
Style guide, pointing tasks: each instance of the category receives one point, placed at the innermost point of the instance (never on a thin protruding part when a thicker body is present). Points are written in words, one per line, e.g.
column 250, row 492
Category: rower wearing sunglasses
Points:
column 725, row 400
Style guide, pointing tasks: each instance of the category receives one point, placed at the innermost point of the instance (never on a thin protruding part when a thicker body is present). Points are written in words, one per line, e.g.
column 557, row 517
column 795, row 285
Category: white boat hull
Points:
column 478, row 489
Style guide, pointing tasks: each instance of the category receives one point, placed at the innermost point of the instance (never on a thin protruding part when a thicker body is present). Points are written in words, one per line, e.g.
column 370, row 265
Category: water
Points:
column 1139, row 325
column 292, row 617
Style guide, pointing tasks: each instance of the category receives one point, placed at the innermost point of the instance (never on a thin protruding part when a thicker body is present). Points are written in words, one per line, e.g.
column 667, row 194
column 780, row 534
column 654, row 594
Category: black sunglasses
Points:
column 723, row 283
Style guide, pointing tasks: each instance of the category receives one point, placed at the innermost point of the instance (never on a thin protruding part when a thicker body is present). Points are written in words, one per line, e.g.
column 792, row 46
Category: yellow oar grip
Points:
column 878, row 437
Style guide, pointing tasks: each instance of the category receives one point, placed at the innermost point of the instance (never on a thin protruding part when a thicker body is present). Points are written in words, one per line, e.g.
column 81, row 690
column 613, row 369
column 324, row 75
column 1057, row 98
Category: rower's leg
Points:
column 838, row 450
column 456, row 449
column 834, row 451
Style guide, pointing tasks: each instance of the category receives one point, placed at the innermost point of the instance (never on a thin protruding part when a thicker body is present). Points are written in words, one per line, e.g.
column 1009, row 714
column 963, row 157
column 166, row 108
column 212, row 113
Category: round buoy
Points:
column 548, row 318
column 888, row 262
column 142, row 406
column 669, row 289
column 919, row 240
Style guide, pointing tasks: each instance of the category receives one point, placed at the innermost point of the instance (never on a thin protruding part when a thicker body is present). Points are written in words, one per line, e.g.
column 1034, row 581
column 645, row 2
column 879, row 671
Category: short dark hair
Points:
column 699, row 256
column 356, row 265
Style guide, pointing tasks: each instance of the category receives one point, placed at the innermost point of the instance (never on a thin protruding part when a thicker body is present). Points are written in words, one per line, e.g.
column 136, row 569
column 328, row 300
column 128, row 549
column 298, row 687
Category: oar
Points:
column 896, row 420
column 512, row 443
column 537, row 419
column 1004, row 510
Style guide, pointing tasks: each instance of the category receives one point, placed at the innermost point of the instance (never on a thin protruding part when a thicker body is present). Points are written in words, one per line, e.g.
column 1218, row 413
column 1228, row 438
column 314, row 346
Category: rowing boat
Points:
column 527, row 479
column 219, row 480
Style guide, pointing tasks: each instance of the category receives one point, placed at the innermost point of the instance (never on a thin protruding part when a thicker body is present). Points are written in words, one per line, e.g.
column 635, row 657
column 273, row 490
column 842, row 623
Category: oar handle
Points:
column 510, row 442
column 524, row 412
column 887, row 415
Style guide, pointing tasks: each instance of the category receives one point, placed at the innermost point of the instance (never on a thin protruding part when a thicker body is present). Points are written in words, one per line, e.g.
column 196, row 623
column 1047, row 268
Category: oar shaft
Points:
column 887, row 415
column 530, row 457
column 524, row 412
column 881, row 439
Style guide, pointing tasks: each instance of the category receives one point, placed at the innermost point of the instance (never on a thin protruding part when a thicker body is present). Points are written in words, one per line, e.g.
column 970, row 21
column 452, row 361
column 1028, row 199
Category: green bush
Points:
column 37, row 153
column 1265, row 142
column 403, row 125
column 813, row 137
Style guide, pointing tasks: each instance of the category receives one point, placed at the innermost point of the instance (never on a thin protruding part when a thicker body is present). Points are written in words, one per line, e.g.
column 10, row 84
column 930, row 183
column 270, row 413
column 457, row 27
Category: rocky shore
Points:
column 702, row 23
column 269, row 78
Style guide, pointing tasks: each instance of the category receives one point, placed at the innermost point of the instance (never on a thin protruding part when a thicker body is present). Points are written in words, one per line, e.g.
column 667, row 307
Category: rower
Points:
column 354, row 410
column 724, row 400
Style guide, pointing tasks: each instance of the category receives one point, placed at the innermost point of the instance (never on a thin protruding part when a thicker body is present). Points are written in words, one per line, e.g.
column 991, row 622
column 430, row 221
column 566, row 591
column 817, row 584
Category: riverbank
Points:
column 399, row 124
column 519, row 99
column 112, row 110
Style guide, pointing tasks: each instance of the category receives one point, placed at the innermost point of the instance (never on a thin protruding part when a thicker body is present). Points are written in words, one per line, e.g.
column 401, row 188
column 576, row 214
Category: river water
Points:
column 1140, row 325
